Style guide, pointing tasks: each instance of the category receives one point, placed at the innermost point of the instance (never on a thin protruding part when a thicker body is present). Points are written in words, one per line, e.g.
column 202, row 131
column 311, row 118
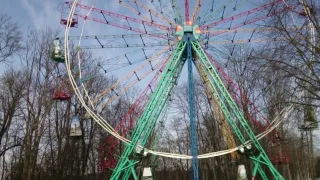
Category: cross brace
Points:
column 214, row 105
column 233, row 113
column 147, row 121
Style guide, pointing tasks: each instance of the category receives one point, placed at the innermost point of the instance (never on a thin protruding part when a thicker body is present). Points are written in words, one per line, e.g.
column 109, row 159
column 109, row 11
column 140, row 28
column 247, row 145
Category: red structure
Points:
column 106, row 15
column 62, row 91
column 61, row 95
column 186, row 9
column 64, row 9
column 278, row 152
column 108, row 150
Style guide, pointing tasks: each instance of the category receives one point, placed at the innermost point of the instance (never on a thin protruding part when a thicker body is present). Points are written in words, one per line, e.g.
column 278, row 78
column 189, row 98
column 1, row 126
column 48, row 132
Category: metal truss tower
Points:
column 154, row 43
column 188, row 47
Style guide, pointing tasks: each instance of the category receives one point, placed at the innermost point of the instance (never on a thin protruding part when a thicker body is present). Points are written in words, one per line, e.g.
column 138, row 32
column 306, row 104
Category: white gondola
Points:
column 56, row 51
column 242, row 173
column 75, row 129
column 147, row 174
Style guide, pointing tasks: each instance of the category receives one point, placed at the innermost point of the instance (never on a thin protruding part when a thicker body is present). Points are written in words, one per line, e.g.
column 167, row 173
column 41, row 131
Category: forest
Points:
column 35, row 140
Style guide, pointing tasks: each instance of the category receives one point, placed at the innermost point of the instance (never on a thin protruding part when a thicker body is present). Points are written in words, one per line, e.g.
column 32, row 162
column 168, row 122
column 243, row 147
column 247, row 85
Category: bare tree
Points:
column 10, row 37
column 11, row 97
column 12, row 91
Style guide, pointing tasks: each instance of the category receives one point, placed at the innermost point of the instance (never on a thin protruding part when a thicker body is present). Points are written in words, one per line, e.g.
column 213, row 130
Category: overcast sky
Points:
column 34, row 14
column 31, row 14
column 38, row 14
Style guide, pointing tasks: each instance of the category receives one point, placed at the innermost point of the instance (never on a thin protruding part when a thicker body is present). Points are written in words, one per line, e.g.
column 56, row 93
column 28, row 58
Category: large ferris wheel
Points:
column 148, row 42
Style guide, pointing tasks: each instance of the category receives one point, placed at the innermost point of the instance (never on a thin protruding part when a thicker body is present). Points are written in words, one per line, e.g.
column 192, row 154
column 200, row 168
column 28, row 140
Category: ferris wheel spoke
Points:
column 166, row 11
column 141, row 8
column 251, row 12
column 156, row 14
column 122, row 65
column 196, row 10
column 121, row 41
column 130, row 74
column 212, row 14
column 118, row 45
column 123, row 17
column 126, row 27
column 208, row 7
column 253, row 20
column 241, row 36
column 246, row 30
column 92, row 76
column 120, row 21
column 134, row 9
column 176, row 7
column 223, row 37
column 160, row 65
column 174, row 13
column 115, row 63
column 244, row 41
column 111, row 37
column 186, row 11
column 125, row 60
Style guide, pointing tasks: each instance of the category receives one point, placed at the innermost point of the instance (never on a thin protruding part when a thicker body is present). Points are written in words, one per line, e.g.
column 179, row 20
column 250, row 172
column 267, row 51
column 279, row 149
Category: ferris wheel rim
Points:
column 97, row 118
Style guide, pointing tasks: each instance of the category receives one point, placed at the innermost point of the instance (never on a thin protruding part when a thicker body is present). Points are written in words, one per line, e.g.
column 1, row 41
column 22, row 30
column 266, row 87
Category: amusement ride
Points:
column 154, row 44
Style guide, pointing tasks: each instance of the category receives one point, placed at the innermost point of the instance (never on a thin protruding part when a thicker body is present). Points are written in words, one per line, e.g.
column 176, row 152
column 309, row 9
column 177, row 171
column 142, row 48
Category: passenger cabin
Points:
column 75, row 128
column 304, row 13
column 147, row 174
column 74, row 22
column 56, row 52
column 61, row 95
column 64, row 8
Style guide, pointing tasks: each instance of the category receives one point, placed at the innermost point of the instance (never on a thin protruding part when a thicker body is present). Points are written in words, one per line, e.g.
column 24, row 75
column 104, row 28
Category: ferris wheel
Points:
column 147, row 43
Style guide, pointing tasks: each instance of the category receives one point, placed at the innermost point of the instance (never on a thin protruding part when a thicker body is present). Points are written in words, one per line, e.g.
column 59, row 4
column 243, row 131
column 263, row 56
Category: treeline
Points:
column 35, row 141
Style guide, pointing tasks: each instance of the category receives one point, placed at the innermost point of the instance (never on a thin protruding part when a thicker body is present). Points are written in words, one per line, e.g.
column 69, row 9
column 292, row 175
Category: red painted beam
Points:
column 257, row 9
column 121, row 26
column 186, row 14
column 107, row 159
column 243, row 96
column 119, row 16
column 256, row 19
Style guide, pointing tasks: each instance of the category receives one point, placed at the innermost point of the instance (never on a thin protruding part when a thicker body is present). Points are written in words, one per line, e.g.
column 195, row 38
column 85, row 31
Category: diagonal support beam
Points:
column 107, row 159
column 233, row 113
column 214, row 105
column 146, row 123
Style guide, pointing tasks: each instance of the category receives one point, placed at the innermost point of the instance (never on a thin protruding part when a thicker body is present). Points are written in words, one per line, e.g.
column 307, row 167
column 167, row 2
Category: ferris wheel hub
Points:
column 187, row 31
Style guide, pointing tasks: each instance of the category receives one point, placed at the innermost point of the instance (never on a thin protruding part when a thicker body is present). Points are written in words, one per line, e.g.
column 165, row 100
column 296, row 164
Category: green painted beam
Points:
column 158, row 109
column 147, row 121
column 233, row 113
